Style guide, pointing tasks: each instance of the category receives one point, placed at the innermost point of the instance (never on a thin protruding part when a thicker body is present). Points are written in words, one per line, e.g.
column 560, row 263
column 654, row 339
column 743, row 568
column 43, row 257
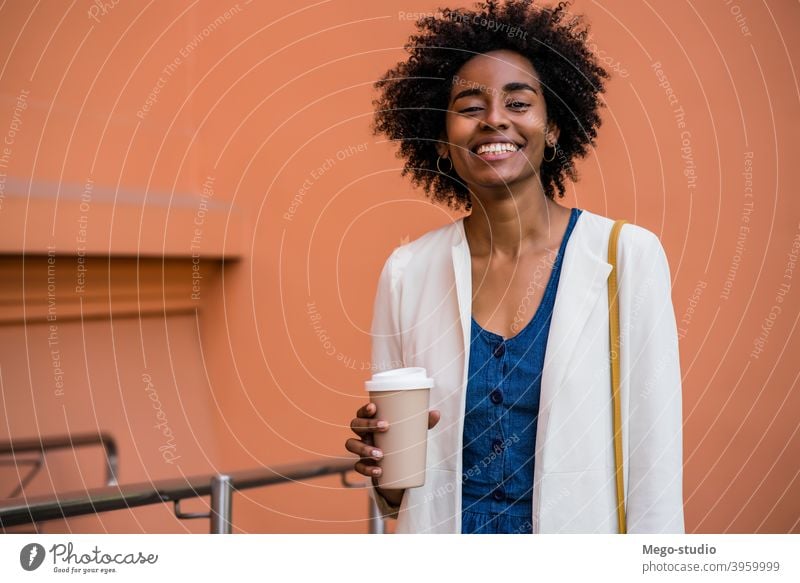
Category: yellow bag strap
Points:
column 613, row 313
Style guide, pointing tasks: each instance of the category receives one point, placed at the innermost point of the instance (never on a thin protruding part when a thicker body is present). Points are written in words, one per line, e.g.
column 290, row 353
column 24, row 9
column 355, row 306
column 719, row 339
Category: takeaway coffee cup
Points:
column 402, row 398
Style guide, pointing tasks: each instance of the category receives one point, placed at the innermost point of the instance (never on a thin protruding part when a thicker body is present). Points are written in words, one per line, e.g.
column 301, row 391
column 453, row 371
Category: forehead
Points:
column 495, row 69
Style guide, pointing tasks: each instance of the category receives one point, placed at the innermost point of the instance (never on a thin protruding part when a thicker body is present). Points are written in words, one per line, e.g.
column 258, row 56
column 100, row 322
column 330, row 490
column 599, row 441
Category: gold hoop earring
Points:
column 438, row 160
column 553, row 157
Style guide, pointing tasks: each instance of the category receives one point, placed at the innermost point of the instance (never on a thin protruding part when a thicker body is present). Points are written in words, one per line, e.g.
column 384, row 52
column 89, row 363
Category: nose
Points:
column 496, row 117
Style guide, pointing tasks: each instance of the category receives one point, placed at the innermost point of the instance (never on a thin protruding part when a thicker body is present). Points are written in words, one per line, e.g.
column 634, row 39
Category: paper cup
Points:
column 402, row 398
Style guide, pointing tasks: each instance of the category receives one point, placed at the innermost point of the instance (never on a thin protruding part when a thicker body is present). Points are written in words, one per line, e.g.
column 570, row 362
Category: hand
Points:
column 364, row 425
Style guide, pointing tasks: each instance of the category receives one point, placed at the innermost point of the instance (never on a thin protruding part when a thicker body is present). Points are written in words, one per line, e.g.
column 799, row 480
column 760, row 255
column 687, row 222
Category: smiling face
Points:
column 496, row 121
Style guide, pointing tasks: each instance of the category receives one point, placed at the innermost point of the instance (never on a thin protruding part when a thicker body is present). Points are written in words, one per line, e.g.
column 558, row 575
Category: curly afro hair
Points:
column 414, row 95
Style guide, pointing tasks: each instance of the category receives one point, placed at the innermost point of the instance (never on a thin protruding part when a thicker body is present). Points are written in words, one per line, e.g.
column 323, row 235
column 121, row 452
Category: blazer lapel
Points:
column 462, row 270
column 583, row 281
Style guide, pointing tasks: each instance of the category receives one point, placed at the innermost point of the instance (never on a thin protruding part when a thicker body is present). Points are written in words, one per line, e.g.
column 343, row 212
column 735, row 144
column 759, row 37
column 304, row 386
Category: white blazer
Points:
column 422, row 317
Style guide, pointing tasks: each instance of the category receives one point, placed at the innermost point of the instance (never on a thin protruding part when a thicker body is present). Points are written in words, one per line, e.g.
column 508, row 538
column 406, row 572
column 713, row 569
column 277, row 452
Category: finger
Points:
column 363, row 427
column 367, row 469
column 367, row 410
column 433, row 418
column 365, row 450
column 366, row 435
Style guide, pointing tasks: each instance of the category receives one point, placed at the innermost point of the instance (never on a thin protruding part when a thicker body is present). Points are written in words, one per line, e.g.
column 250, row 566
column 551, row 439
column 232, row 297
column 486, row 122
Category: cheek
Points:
column 537, row 121
column 459, row 131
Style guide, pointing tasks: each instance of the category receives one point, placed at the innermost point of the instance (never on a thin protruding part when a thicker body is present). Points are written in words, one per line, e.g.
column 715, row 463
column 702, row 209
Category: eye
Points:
column 470, row 109
column 518, row 105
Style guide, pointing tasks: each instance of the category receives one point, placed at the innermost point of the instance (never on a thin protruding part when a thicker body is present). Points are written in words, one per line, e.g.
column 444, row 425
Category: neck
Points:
column 511, row 223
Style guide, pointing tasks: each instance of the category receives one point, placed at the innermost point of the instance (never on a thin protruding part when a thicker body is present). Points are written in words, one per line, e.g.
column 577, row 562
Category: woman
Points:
column 507, row 308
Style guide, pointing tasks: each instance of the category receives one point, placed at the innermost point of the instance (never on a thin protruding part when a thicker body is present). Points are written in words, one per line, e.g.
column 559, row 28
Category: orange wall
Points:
column 253, row 106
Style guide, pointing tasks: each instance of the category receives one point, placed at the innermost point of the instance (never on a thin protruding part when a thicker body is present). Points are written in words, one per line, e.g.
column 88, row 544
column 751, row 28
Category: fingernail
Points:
column 376, row 472
column 376, row 453
column 382, row 424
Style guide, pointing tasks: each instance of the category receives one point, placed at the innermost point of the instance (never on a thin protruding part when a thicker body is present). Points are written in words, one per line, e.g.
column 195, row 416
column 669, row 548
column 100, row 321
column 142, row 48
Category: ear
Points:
column 443, row 146
column 552, row 134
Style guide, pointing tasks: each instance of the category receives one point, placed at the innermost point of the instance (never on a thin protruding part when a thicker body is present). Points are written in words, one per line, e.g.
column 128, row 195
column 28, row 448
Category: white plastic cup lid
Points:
column 398, row 379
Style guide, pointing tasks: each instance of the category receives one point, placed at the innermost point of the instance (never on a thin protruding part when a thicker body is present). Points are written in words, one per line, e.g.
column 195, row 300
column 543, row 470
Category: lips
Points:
column 498, row 149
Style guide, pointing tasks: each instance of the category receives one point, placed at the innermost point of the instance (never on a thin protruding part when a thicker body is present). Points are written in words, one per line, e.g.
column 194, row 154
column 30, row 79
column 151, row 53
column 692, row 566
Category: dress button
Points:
column 497, row 445
column 500, row 350
column 496, row 396
column 499, row 494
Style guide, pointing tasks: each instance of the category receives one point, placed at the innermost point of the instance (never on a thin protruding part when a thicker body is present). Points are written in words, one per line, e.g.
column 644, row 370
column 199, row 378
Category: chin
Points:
column 498, row 181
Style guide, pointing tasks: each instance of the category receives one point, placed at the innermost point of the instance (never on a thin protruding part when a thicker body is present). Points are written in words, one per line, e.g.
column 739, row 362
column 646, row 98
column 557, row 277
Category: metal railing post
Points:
column 376, row 523
column 221, row 508
column 112, row 459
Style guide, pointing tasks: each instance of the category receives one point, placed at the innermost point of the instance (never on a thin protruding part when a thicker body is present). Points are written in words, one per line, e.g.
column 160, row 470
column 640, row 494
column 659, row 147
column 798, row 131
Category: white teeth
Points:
column 497, row 148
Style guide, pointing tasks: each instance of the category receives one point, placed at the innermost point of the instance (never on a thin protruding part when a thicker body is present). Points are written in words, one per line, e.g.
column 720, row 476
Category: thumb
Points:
column 433, row 418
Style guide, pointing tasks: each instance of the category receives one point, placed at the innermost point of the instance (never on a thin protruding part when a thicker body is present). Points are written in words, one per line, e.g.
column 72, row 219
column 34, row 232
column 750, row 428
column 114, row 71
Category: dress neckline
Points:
column 547, row 292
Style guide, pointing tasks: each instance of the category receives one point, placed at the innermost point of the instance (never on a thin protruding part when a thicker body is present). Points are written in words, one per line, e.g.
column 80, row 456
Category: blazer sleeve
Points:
column 386, row 350
column 655, row 473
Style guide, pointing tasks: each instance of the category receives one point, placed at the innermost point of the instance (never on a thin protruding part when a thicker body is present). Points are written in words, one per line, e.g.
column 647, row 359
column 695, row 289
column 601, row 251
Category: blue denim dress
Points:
column 501, row 413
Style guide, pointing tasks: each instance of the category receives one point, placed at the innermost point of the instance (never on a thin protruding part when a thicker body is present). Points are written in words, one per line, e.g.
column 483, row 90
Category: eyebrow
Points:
column 507, row 88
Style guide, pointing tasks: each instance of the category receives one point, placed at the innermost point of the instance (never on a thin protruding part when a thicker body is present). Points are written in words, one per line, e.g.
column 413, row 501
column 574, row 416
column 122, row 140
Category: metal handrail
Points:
column 42, row 445
column 28, row 510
